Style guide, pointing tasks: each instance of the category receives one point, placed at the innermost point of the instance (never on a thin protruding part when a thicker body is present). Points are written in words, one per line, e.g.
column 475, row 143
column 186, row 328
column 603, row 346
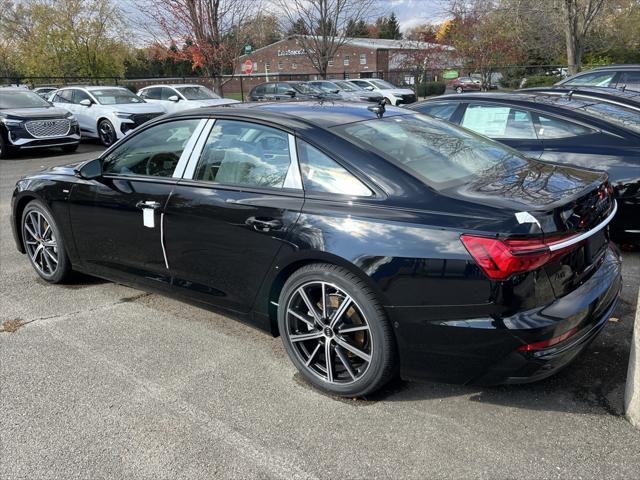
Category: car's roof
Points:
column 14, row 89
column 295, row 114
column 632, row 66
column 604, row 93
column 93, row 87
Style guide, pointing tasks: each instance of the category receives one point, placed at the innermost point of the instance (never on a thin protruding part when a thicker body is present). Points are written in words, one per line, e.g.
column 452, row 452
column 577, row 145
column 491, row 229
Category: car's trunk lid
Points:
column 567, row 207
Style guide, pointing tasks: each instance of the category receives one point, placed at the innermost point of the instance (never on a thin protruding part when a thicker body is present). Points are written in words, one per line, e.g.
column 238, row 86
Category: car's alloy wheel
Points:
column 107, row 133
column 43, row 243
column 329, row 332
column 459, row 89
column 335, row 331
column 40, row 242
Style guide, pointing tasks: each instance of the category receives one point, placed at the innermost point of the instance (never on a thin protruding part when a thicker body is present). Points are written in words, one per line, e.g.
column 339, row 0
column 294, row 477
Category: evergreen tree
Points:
column 299, row 27
column 389, row 27
column 357, row 29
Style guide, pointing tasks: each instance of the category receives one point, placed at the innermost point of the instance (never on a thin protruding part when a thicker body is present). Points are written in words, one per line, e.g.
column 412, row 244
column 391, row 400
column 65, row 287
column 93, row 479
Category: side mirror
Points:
column 335, row 91
column 370, row 88
column 291, row 93
column 89, row 170
column 174, row 98
column 85, row 103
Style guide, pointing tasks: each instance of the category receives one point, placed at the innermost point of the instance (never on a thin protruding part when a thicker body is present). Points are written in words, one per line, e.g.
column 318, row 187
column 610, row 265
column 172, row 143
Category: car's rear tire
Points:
column 5, row 150
column 107, row 133
column 459, row 90
column 43, row 242
column 361, row 348
column 70, row 148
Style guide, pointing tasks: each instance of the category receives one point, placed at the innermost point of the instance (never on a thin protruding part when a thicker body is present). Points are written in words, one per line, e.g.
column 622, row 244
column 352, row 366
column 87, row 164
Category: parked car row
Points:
column 353, row 90
column 51, row 117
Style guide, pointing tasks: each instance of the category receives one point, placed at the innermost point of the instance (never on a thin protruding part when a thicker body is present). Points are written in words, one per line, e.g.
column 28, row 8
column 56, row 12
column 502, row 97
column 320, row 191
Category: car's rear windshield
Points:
column 348, row 86
column 616, row 114
column 438, row 153
column 26, row 99
column 305, row 88
column 115, row 96
column 197, row 93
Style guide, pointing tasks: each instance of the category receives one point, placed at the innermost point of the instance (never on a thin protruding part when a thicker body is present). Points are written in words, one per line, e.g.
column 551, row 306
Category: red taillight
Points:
column 547, row 343
column 500, row 259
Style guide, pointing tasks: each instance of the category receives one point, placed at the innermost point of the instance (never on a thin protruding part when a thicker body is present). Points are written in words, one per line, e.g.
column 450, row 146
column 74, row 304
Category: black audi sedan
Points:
column 579, row 130
column 27, row 121
column 373, row 240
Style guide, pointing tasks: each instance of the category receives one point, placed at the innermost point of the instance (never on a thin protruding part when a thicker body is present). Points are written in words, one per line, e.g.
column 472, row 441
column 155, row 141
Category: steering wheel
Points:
column 157, row 165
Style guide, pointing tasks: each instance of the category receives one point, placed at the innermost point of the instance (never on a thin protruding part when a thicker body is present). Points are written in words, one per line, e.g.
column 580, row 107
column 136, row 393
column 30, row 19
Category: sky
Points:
column 412, row 13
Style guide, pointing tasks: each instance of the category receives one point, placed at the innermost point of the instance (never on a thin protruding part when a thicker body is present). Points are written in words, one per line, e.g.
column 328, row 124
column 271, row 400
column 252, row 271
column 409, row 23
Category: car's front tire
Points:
column 43, row 242
column 5, row 150
column 459, row 90
column 107, row 133
column 335, row 331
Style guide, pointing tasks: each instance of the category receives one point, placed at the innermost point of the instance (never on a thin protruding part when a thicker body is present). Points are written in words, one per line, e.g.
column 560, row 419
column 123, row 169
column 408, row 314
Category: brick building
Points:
column 358, row 57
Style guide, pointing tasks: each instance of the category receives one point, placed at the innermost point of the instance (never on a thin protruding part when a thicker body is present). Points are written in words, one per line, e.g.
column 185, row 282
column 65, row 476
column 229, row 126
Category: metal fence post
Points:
column 241, row 90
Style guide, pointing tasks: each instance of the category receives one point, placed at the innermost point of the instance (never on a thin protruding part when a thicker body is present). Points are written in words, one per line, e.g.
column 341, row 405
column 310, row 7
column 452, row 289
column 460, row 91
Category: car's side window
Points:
column 152, row 93
column 244, row 154
column 361, row 84
column 259, row 90
column 595, row 79
column 497, row 121
column 64, row 96
column 79, row 95
column 270, row 88
column 154, row 152
column 321, row 174
column 438, row 110
column 283, row 88
column 551, row 127
column 167, row 92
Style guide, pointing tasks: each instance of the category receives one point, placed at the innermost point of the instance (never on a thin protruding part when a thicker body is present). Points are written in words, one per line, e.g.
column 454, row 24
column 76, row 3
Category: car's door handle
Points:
column 264, row 224
column 148, row 204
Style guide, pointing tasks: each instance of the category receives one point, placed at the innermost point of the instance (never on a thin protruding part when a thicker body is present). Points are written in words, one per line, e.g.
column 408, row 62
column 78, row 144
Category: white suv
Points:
column 107, row 113
column 175, row 98
column 393, row 94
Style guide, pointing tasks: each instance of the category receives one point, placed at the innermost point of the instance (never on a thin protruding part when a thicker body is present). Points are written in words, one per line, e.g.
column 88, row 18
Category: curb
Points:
column 632, row 392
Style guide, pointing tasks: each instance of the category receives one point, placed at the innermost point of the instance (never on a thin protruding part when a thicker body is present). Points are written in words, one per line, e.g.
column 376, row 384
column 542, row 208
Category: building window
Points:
column 294, row 66
column 331, row 62
column 267, row 67
column 363, row 59
column 280, row 67
column 346, row 76
column 346, row 61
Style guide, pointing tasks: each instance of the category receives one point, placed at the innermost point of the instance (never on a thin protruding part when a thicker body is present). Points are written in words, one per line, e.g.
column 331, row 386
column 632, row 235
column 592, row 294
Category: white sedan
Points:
column 107, row 113
column 394, row 95
column 175, row 98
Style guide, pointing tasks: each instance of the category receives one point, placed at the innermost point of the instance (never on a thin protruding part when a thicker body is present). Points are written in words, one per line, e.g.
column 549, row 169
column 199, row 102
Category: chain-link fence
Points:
column 504, row 77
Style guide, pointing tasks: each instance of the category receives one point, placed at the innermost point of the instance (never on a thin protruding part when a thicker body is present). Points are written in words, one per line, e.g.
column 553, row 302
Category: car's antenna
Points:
column 379, row 109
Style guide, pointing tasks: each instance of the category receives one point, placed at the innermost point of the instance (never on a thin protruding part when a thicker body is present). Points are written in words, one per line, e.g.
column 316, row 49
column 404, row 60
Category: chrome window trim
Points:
column 294, row 177
column 194, row 157
column 188, row 149
column 585, row 235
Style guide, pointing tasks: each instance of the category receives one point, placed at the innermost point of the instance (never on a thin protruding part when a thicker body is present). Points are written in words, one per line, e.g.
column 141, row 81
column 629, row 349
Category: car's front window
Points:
column 24, row 99
column 438, row 153
column 197, row 93
column 382, row 84
column 115, row 96
column 326, row 86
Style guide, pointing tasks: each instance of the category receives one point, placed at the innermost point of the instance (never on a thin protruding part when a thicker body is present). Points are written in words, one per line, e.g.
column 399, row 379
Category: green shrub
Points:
column 431, row 88
column 541, row 80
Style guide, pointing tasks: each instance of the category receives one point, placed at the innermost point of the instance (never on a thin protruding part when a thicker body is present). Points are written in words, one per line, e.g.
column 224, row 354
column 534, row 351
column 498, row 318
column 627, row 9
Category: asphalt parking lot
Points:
column 103, row 381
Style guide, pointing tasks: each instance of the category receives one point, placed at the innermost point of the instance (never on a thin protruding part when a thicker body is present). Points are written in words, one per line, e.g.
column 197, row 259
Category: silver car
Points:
column 347, row 91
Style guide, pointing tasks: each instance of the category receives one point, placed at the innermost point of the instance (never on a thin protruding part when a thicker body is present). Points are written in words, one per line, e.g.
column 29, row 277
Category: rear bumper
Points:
column 485, row 350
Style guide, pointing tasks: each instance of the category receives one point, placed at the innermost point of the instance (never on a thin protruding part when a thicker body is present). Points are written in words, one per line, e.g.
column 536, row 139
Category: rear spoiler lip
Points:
column 573, row 240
